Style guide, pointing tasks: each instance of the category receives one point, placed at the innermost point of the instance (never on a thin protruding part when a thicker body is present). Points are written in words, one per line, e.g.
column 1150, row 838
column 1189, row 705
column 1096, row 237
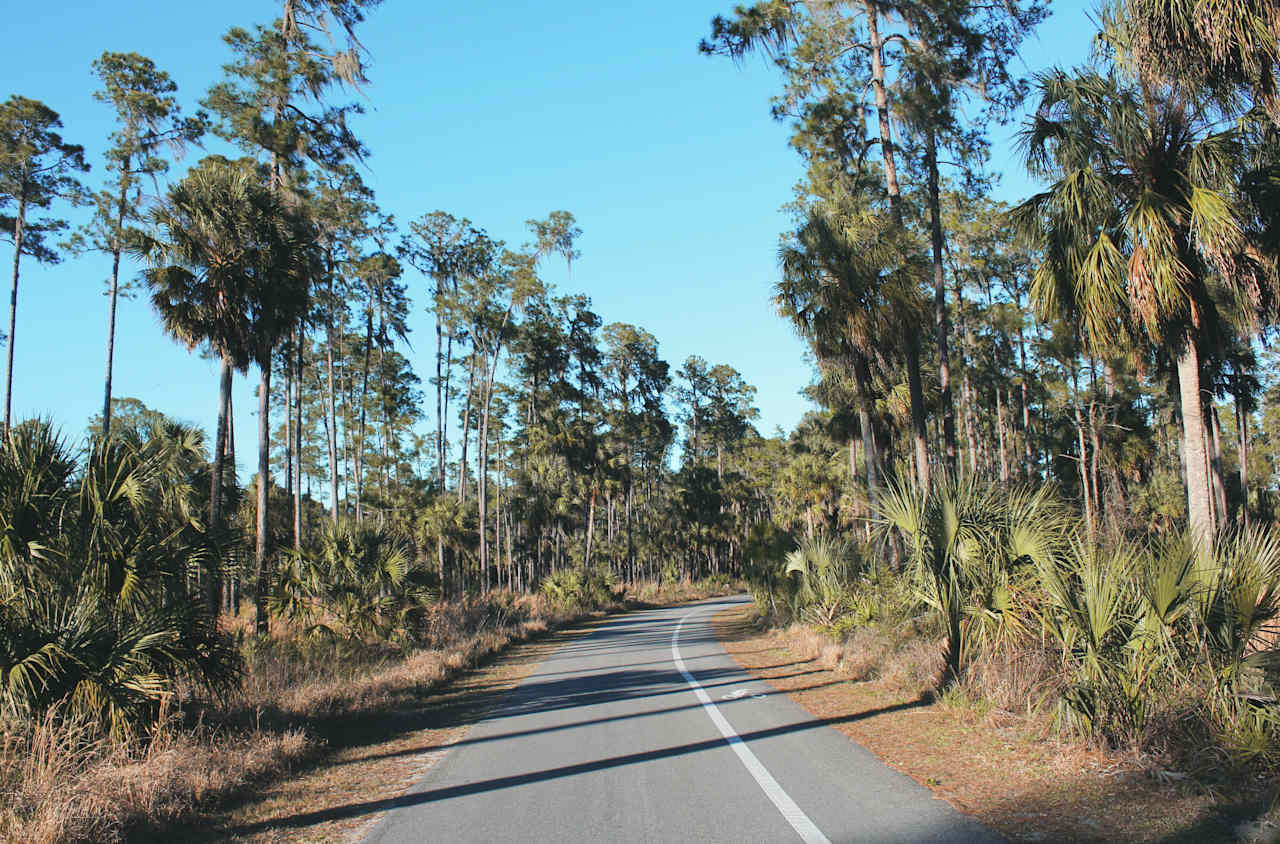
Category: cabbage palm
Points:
column 850, row 282
column 964, row 539
column 1232, row 48
column 367, row 579
column 95, row 558
column 1141, row 232
column 229, row 269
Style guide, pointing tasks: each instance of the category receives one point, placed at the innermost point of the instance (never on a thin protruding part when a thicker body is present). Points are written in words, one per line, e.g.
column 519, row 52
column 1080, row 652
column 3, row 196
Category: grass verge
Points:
column 319, row 737
column 1004, row 769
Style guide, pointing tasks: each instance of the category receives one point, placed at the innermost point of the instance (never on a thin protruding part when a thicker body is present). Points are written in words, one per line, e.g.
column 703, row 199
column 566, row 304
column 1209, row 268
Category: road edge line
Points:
column 793, row 814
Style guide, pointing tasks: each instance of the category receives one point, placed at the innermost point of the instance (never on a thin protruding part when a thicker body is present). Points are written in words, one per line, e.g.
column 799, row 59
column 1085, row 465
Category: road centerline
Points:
column 792, row 813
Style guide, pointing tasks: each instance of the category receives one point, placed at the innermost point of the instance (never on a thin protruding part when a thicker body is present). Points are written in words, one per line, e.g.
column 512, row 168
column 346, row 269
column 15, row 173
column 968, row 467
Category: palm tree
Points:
column 226, row 270
column 1141, row 234
column 849, row 282
column 1230, row 49
column 95, row 616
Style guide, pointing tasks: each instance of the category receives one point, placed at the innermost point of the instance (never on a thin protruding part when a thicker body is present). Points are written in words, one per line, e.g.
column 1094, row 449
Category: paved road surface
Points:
column 611, row 740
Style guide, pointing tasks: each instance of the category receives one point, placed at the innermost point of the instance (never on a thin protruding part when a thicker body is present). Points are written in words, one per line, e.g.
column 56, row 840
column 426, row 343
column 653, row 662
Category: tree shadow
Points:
column 429, row 795
column 1069, row 810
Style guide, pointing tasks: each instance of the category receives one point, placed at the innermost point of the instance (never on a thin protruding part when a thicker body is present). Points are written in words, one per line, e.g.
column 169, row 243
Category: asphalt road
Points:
column 645, row 730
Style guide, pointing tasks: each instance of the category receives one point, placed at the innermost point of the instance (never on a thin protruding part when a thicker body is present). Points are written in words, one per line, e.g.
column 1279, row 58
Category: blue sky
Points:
column 498, row 111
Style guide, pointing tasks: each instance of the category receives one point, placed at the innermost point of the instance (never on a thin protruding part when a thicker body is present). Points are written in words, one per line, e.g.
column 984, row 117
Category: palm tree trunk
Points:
column 1199, row 509
column 19, row 223
column 264, row 478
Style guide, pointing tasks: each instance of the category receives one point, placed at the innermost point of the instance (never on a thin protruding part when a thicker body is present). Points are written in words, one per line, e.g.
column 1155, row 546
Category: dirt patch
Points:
column 1028, row 787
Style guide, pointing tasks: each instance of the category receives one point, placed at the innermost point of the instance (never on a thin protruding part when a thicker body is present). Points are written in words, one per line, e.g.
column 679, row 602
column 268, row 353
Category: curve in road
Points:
column 645, row 730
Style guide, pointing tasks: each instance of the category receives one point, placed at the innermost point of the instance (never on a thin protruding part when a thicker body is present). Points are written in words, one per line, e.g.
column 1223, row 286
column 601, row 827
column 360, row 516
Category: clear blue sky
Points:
column 498, row 111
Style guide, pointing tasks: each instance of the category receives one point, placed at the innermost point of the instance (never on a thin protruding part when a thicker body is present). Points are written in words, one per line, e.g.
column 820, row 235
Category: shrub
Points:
column 967, row 540
column 361, row 581
column 580, row 588
column 96, row 559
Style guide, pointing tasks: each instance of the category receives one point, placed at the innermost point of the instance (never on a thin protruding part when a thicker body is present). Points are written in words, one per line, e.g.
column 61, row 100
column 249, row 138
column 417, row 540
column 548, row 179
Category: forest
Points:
column 1048, row 426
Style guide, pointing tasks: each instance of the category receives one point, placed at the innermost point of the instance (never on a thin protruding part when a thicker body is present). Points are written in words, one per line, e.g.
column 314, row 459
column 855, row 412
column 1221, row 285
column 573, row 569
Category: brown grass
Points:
column 311, row 726
column 988, row 760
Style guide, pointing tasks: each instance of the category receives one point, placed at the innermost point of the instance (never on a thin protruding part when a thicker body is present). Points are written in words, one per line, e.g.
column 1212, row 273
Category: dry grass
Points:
column 893, row 655
column 63, row 784
column 987, row 759
column 305, row 705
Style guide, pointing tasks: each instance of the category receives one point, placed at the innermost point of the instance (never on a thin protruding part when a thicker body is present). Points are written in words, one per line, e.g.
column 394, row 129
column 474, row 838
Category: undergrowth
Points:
column 62, row 779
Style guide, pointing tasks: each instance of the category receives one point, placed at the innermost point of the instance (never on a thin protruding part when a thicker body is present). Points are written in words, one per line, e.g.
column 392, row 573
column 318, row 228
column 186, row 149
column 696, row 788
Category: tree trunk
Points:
column 591, row 524
column 1084, row 457
column 1004, row 453
column 1026, row 408
column 264, row 478
column 364, row 396
column 631, row 548
column 297, row 439
column 940, row 300
column 916, row 390
column 19, row 223
column 444, row 431
column 289, row 456
column 1242, row 430
column 466, row 430
column 870, row 449
column 482, row 476
column 440, row 479
column 887, row 152
column 1199, row 509
column 213, row 585
column 1215, row 466
column 966, row 384
column 114, row 298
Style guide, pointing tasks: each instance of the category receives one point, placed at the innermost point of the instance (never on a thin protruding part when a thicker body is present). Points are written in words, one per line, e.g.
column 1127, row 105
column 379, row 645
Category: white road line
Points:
column 805, row 828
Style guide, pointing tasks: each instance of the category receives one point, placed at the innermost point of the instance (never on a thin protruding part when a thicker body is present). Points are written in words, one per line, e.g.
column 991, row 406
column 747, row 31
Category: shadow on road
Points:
column 431, row 795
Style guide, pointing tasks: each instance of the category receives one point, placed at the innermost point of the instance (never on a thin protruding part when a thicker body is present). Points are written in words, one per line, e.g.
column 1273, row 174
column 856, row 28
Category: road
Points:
column 645, row 730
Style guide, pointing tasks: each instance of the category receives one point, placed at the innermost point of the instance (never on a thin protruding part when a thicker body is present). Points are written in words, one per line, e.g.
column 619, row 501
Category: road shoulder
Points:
column 377, row 757
column 1027, row 787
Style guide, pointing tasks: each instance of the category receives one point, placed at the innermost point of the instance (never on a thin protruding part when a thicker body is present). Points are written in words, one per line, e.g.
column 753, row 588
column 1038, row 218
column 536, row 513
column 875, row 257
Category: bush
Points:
column 97, row 614
column 361, row 581
column 580, row 588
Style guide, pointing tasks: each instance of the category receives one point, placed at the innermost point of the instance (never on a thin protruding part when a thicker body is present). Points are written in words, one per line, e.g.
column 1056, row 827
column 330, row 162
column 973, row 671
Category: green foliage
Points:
column 580, row 588
column 823, row 568
column 762, row 567
column 36, row 168
column 96, row 557
column 967, row 540
column 359, row 581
